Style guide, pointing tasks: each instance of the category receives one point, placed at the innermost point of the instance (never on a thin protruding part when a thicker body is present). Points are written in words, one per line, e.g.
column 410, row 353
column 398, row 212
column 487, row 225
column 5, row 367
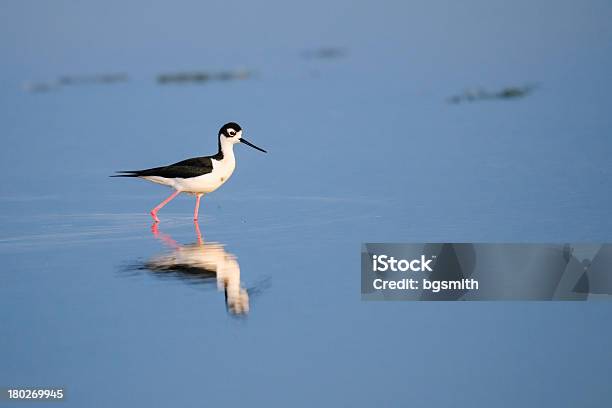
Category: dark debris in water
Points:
column 325, row 53
column 39, row 87
column 71, row 80
column 166, row 78
column 513, row 92
column 202, row 76
column 92, row 79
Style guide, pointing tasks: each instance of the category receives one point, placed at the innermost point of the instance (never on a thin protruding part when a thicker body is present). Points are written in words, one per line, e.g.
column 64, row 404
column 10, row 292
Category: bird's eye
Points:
column 232, row 133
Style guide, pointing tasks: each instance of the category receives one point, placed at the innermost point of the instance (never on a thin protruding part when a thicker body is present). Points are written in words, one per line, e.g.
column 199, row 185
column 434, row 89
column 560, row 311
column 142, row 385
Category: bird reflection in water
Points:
column 202, row 262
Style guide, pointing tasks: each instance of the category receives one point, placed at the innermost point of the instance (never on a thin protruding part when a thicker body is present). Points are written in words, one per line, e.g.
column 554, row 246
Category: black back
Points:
column 198, row 166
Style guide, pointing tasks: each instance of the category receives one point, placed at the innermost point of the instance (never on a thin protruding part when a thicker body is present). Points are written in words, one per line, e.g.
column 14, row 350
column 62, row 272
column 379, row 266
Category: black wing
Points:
column 195, row 167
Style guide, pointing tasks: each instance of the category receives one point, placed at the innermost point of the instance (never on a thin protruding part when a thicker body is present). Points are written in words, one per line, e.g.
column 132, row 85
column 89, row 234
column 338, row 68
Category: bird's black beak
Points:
column 246, row 142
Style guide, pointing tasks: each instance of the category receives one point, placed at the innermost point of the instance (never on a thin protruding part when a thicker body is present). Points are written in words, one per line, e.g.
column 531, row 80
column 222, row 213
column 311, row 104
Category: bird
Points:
column 199, row 175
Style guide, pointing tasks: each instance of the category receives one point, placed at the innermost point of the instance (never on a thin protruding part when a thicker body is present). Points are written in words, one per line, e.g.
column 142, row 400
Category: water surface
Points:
column 363, row 147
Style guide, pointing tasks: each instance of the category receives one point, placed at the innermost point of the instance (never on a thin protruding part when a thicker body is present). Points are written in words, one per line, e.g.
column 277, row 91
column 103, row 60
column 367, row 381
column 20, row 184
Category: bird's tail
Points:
column 126, row 173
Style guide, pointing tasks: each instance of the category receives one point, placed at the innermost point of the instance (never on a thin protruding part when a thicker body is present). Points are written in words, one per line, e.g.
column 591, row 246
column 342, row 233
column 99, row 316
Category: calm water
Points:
column 363, row 147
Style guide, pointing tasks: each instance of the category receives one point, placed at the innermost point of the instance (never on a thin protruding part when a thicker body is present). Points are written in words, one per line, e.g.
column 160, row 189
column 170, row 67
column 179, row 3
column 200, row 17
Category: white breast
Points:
column 222, row 171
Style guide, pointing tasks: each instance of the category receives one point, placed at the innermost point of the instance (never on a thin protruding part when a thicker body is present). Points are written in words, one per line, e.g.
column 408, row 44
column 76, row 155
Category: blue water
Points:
column 362, row 148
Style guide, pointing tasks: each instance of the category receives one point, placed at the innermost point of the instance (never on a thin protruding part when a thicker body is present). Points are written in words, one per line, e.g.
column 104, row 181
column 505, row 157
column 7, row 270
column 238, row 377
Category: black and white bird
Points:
column 197, row 176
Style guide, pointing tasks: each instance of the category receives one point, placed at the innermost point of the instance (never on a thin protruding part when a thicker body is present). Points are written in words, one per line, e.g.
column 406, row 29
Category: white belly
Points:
column 222, row 171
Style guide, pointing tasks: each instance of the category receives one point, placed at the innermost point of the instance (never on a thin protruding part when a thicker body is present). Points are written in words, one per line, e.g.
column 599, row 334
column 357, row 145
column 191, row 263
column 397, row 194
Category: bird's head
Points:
column 232, row 133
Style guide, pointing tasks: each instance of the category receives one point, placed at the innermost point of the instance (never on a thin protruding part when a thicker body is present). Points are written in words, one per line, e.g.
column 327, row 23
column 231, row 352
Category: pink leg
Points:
column 161, row 205
column 197, row 207
column 198, row 233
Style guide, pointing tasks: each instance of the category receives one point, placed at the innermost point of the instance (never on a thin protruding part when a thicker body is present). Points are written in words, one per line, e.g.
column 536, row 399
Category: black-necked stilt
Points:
column 200, row 175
